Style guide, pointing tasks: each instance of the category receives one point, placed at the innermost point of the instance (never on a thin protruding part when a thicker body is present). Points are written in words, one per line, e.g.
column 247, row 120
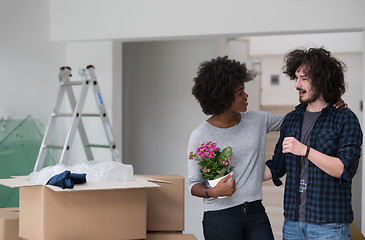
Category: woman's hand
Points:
column 340, row 103
column 225, row 187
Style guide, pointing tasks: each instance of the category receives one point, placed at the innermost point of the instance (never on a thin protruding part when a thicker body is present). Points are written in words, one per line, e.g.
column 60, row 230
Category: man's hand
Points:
column 292, row 145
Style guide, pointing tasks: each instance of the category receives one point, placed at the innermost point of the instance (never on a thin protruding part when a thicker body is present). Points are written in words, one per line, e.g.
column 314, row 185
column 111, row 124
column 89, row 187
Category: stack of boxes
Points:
column 149, row 207
column 9, row 224
column 165, row 209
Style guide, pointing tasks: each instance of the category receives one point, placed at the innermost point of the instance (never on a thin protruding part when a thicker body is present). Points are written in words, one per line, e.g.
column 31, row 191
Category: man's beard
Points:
column 312, row 98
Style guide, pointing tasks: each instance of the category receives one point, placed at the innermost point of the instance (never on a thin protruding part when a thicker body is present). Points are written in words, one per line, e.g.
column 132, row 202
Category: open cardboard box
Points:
column 89, row 211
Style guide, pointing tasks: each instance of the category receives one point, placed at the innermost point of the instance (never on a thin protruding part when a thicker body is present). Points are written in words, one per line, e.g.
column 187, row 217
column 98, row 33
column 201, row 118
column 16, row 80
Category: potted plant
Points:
column 215, row 163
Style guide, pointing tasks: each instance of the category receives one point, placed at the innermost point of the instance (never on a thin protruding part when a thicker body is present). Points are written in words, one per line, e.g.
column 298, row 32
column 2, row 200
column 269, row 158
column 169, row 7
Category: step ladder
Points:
column 89, row 80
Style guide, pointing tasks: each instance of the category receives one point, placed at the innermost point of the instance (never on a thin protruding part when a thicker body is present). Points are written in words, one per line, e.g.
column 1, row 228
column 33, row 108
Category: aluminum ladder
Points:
column 89, row 80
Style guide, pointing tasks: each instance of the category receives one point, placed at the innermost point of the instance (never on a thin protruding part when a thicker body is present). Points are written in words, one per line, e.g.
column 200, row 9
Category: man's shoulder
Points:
column 343, row 110
column 291, row 115
column 344, row 113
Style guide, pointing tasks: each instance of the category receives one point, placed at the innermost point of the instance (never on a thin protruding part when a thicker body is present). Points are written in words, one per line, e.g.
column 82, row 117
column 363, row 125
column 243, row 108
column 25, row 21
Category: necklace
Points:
column 217, row 122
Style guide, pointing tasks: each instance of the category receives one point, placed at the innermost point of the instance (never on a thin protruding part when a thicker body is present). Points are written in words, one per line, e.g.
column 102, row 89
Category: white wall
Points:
column 145, row 19
column 106, row 57
column 280, row 94
column 341, row 42
column 29, row 62
column 363, row 148
column 239, row 50
column 160, row 112
column 353, row 94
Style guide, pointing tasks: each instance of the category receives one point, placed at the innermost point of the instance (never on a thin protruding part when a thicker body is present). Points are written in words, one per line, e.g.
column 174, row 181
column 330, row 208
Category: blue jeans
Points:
column 299, row 230
column 247, row 221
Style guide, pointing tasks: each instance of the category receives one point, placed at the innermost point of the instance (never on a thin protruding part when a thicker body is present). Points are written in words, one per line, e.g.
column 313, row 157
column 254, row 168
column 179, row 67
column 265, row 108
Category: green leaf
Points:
column 222, row 171
column 218, row 176
column 208, row 176
column 225, row 154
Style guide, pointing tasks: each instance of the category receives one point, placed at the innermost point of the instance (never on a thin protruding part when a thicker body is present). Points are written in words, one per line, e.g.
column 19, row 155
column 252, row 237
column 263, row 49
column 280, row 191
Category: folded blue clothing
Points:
column 77, row 178
column 67, row 179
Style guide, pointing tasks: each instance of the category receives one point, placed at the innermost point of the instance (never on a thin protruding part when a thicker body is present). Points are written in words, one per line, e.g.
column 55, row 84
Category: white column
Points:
column 239, row 50
column 117, row 94
column 363, row 148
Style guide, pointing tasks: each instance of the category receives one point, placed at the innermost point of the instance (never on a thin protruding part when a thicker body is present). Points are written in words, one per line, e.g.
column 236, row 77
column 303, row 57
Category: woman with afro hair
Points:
column 219, row 87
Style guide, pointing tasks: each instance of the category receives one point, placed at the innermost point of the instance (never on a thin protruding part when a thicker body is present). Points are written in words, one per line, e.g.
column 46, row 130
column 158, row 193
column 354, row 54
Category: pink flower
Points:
column 211, row 159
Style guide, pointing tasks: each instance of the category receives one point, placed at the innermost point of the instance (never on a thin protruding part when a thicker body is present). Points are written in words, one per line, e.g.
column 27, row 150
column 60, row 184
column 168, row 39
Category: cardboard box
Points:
column 170, row 236
column 86, row 212
column 355, row 232
column 9, row 224
column 165, row 205
column 10, row 209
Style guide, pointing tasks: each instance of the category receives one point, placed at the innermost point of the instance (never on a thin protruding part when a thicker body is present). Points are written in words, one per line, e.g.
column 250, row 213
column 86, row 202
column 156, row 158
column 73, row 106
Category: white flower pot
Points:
column 214, row 182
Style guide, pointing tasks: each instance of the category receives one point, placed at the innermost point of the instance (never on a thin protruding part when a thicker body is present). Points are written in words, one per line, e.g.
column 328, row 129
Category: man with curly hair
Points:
column 318, row 149
column 219, row 87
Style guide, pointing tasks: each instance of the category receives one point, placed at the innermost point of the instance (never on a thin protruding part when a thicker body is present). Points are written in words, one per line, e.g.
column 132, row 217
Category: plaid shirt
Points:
column 336, row 133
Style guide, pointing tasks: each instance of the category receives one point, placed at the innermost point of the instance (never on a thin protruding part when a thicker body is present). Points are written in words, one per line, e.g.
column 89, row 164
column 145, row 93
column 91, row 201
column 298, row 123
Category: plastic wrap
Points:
column 96, row 172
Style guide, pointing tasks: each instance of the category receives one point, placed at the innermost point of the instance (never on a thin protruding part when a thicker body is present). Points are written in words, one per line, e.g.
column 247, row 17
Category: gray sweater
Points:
column 247, row 140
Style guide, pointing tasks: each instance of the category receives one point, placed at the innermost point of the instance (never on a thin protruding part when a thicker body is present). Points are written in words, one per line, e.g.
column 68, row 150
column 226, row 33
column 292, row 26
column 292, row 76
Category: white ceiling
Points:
column 348, row 42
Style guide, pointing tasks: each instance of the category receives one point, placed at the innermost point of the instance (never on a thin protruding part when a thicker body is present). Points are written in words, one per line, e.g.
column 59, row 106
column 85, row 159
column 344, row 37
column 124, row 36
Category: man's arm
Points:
column 330, row 165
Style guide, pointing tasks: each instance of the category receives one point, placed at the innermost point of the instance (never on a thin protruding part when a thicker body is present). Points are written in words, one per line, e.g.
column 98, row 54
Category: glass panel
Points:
column 19, row 146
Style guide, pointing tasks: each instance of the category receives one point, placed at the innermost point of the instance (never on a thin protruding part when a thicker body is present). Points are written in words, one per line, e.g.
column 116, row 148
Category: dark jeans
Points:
column 243, row 222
